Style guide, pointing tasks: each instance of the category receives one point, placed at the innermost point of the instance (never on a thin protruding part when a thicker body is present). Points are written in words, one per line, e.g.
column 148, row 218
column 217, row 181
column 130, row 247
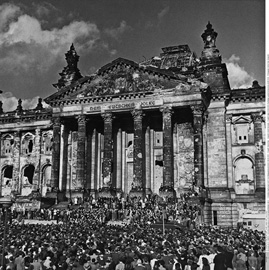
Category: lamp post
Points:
column 6, row 203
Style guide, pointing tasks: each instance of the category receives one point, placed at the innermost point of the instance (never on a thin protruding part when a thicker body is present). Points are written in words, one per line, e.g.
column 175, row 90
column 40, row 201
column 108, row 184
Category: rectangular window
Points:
column 158, row 139
column 242, row 133
column 215, row 217
column 249, row 223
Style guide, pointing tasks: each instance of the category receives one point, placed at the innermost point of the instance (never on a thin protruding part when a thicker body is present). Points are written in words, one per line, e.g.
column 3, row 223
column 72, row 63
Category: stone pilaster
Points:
column 259, row 155
column 81, row 151
column 198, row 144
column 167, row 189
column 107, row 158
column 55, row 168
column 229, row 150
column 16, row 162
column 37, row 175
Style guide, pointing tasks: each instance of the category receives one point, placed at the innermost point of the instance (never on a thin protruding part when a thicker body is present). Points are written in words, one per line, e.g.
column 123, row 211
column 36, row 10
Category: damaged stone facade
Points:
column 157, row 127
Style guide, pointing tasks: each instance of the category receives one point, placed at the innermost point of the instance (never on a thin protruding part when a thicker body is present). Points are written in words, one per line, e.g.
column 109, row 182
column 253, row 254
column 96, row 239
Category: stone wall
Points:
column 216, row 146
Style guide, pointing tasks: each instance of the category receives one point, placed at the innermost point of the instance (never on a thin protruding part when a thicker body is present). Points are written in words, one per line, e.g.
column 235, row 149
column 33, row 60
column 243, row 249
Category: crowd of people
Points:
column 84, row 238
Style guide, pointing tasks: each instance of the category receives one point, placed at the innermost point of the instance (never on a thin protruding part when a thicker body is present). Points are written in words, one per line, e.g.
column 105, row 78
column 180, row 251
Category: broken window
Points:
column 7, row 145
column 7, row 175
column 159, row 160
column 27, row 144
column 28, row 174
column 47, row 142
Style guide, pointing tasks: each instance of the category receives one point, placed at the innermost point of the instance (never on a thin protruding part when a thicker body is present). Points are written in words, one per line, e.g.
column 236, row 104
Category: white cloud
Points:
column 163, row 12
column 25, row 44
column 10, row 102
column 238, row 76
column 7, row 13
column 118, row 31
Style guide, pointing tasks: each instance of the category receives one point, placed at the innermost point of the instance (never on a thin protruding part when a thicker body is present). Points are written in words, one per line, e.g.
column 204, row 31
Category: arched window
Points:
column 7, row 145
column 28, row 174
column 7, row 174
column 47, row 142
column 27, row 143
column 46, row 180
column 47, row 175
column 244, row 175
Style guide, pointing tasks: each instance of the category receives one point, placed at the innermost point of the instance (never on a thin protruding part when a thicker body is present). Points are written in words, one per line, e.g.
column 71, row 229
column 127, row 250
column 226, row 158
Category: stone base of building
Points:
column 106, row 192
column 167, row 192
column 137, row 192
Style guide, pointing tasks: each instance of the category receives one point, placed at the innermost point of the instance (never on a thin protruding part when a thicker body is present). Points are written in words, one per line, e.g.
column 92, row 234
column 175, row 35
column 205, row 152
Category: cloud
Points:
column 238, row 76
column 149, row 23
column 118, row 31
column 163, row 12
column 7, row 13
column 10, row 102
column 25, row 44
column 43, row 9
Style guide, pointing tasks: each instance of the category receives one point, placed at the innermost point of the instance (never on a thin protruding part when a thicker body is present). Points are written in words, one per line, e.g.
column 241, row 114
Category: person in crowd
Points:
column 240, row 259
column 220, row 260
column 86, row 238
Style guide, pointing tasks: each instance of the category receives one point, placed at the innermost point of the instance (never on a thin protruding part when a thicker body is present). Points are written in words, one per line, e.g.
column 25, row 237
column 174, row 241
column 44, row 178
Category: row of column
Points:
column 137, row 148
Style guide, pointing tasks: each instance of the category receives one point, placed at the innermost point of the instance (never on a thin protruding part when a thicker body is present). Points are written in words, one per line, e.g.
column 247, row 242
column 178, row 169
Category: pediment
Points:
column 119, row 77
column 241, row 120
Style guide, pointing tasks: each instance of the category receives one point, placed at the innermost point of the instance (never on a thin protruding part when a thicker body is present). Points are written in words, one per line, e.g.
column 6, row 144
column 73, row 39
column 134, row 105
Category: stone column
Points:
column 88, row 162
column 65, row 134
column 107, row 158
column 198, row 144
column 167, row 188
column 55, row 168
column 119, row 161
column 123, row 166
column 81, row 151
column 147, row 159
column 94, row 161
column 137, row 149
column 259, row 155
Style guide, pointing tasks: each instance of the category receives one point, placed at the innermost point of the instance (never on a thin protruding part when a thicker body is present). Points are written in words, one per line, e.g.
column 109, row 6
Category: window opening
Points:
column 29, row 174
column 215, row 217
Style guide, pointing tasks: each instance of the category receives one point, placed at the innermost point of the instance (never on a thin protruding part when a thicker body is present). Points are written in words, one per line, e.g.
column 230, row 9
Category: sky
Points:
column 35, row 35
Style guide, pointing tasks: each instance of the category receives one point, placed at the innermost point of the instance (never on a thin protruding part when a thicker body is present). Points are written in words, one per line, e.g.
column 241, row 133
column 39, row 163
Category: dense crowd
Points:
column 83, row 239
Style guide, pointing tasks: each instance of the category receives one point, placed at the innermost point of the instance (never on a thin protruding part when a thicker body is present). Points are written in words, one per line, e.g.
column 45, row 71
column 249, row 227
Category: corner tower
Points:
column 213, row 71
column 215, row 74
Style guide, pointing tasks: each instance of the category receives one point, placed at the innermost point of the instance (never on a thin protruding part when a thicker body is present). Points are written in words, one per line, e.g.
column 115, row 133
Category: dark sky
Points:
column 35, row 35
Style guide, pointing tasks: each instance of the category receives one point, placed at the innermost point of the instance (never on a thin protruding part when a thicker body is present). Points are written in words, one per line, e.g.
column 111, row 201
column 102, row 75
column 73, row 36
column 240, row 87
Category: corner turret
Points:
column 210, row 54
column 212, row 70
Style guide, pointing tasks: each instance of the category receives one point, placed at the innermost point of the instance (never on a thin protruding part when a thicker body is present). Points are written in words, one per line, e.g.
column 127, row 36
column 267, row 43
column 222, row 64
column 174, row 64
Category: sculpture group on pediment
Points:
column 121, row 81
